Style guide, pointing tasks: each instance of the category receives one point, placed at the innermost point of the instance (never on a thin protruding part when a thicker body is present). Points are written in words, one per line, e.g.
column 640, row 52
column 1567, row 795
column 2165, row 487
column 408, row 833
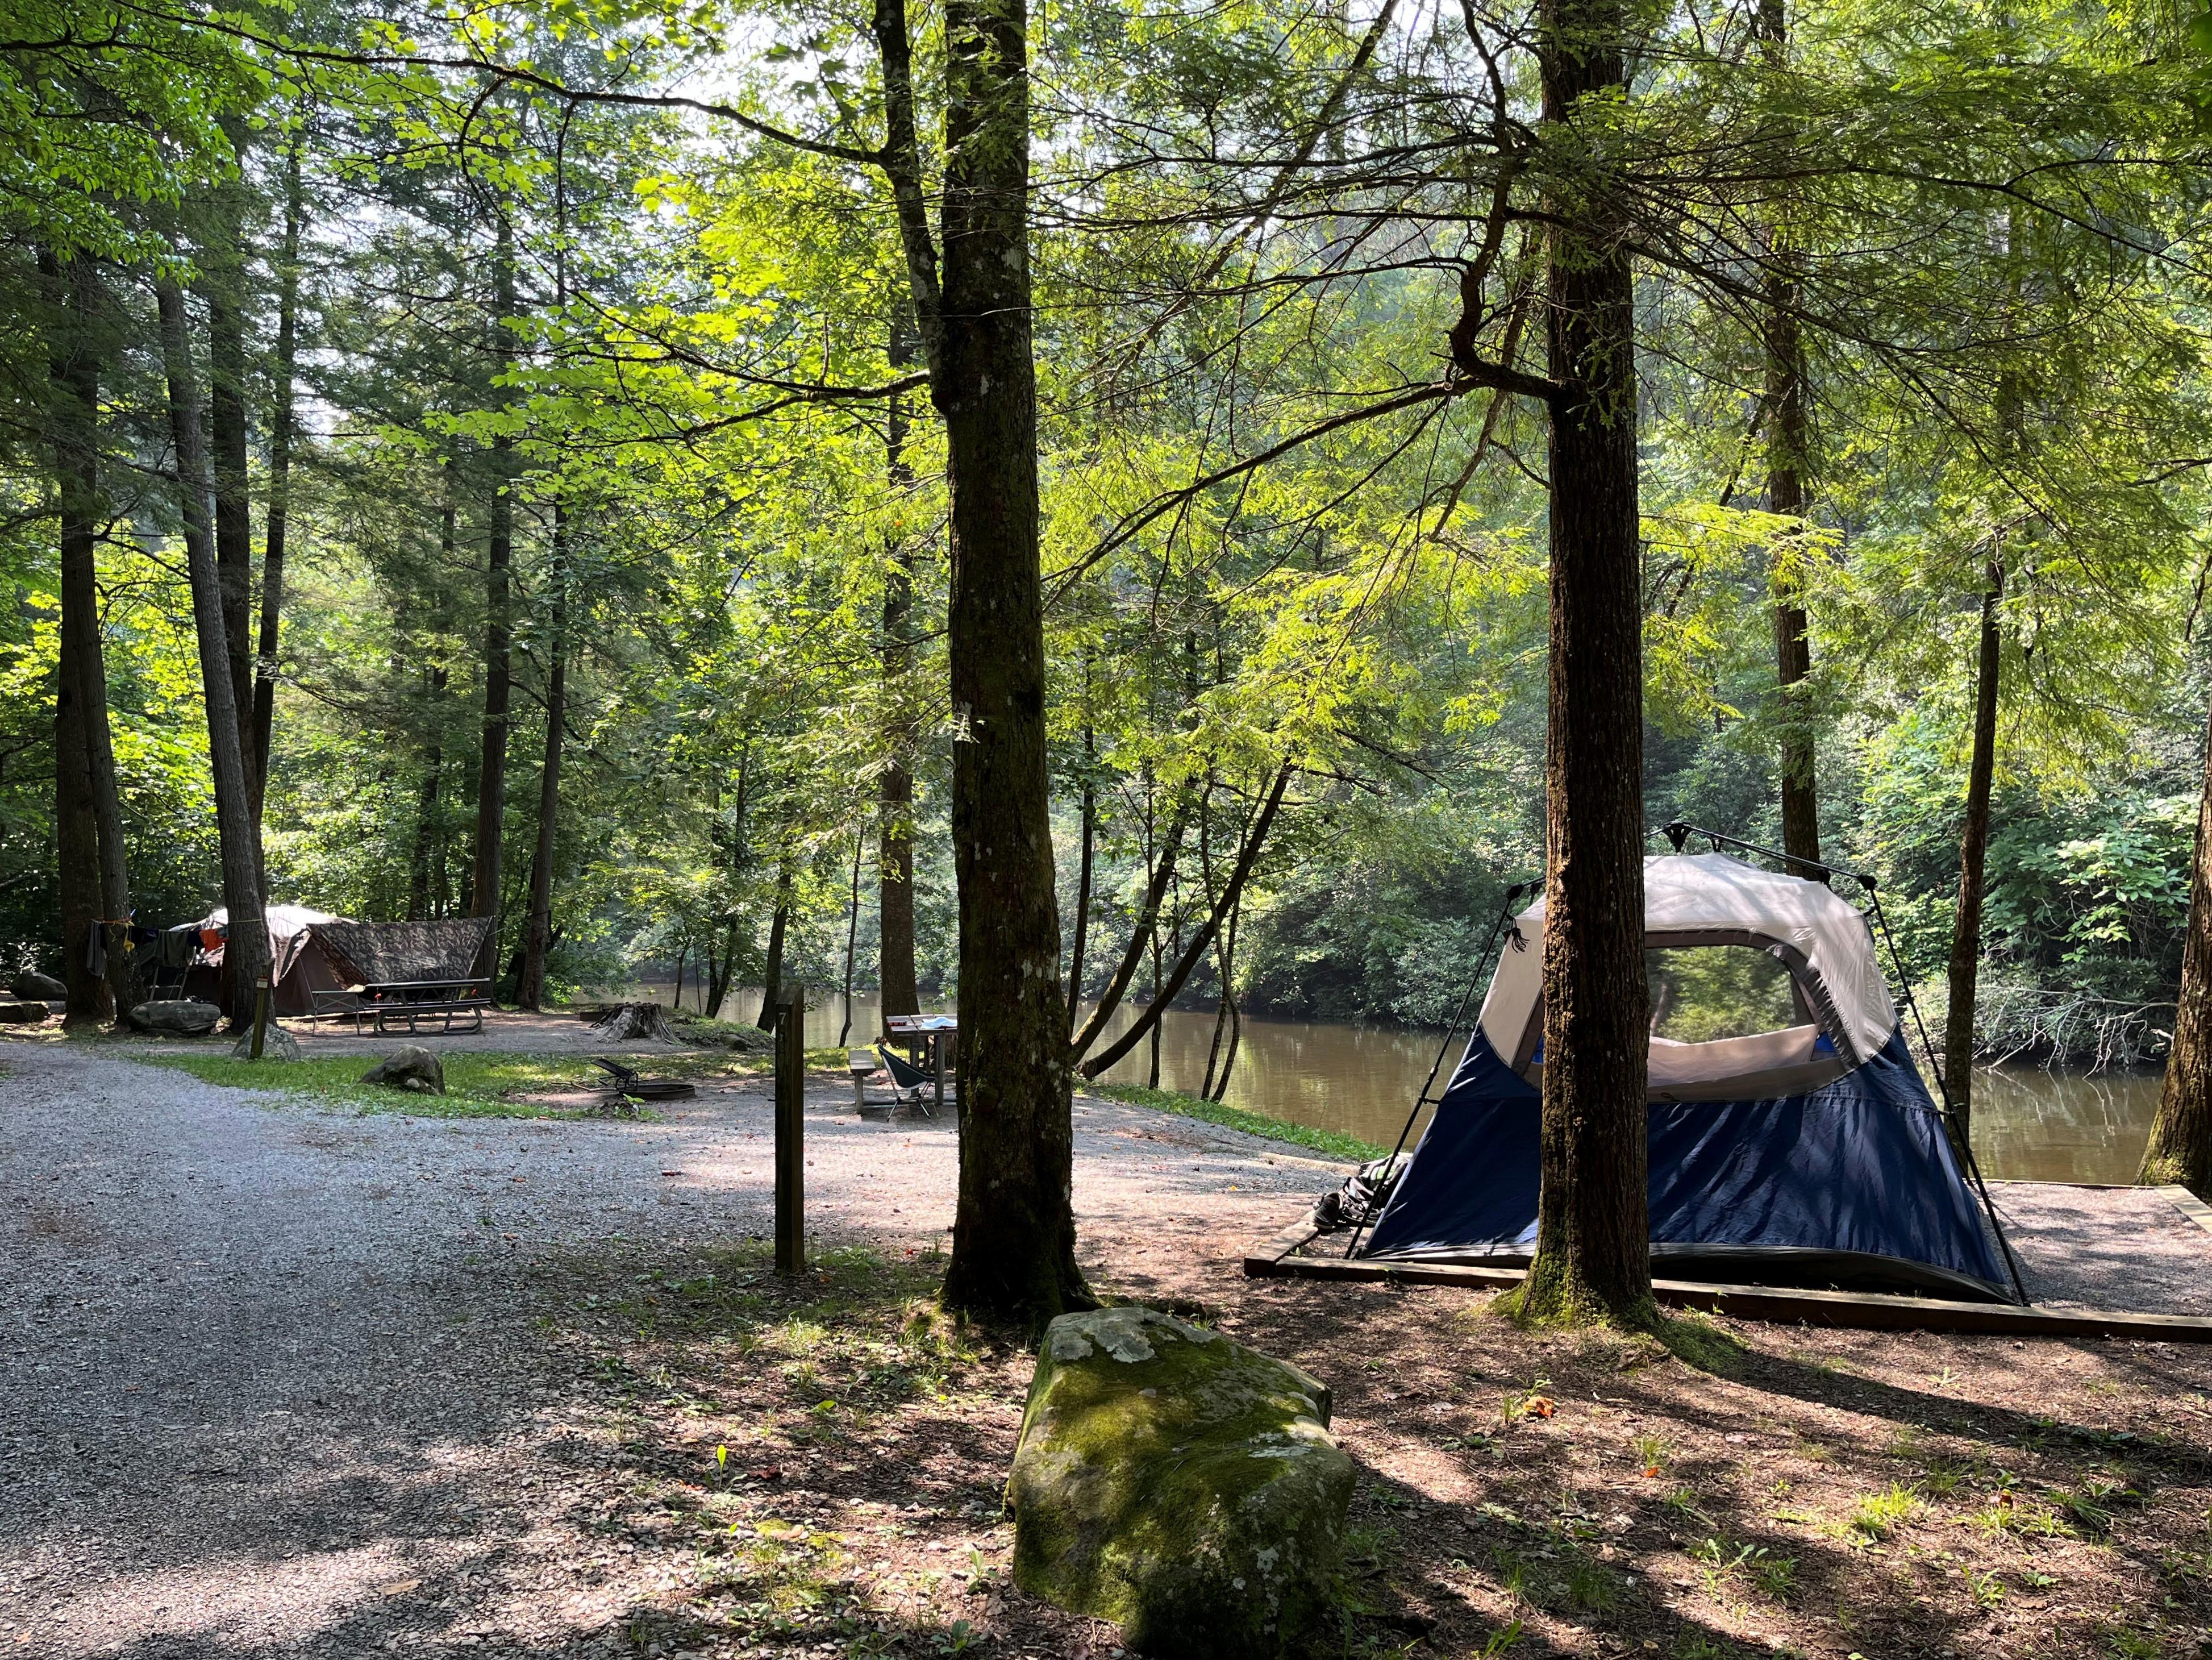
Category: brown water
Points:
column 2029, row 1124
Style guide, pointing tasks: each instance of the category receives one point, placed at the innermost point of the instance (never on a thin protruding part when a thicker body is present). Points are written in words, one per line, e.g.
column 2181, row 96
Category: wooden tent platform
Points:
column 1283, row 1257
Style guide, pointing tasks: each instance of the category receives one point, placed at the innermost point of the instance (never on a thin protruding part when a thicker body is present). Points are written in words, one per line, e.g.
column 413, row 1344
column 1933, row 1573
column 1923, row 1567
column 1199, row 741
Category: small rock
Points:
column 1179, row 1484
column 177, row 1017
column 33, row 987
column 22, row 1014
column 277, row 1044
column 411, row 1068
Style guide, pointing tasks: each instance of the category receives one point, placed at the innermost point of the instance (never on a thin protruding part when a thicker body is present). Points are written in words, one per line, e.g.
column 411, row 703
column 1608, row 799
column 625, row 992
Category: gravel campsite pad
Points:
column 289, row 1379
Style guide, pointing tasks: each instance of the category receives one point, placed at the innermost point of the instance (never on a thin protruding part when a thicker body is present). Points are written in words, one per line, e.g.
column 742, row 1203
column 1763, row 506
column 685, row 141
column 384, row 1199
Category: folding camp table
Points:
column 931, row 1030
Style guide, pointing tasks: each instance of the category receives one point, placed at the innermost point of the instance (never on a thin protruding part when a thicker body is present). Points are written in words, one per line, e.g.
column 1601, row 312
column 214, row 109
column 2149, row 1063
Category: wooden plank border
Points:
column 2189, row 1205
column 1868, row 1310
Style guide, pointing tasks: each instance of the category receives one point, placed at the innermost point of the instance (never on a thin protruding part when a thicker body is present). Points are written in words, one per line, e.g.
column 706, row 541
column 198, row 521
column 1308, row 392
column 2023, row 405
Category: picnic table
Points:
column 390, row 1001
column 926, row 1032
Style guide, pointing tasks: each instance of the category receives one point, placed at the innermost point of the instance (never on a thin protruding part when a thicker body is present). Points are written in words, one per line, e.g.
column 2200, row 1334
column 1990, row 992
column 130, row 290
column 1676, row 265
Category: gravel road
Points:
column 270, row 1368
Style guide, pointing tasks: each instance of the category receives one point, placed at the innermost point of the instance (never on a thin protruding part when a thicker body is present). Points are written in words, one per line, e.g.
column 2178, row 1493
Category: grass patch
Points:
column 1879, row 1515
column 479, row 1084
column 1252, row 1123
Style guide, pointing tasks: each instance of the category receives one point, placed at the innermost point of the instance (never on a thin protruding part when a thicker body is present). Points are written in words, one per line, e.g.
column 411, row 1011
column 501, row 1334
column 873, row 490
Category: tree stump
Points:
column 633, row 1021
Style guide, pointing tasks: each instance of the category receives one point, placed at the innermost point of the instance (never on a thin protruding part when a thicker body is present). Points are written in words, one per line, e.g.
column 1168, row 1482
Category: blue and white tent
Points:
column 1792, row 1140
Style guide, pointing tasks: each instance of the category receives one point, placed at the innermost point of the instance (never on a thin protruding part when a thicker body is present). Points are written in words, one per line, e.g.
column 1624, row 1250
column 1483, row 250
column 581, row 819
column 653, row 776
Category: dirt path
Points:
column 270, row 1370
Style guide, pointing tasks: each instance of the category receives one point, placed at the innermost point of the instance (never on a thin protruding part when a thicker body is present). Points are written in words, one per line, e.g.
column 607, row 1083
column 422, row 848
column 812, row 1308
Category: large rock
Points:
column 176, row 1016
column 1180, row 1484
column 35, row 987
column 277, row 1044
column 411, row 1068
column 22, row 1014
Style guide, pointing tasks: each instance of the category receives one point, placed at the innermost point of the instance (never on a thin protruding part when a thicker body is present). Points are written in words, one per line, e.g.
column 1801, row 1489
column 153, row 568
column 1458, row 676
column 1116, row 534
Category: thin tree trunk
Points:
column 1013, row 1235
column 491, row 773
column 424, row 867
column 1974, row 851
column 772, row 976
column 1084, row 870
column 1152, row 1071
column 2180, row 1149
column 720, row 970
column 1133, row 955
column 531, row 991
column 223, row 286
column 1220, row 1088
column 246, row 955
column 1787, row 450
column 280, row 482
column 1255, row 839
column 1224, row 958
column 899, row 991
column 1593, row 1247
column 682, row 950
column 851, row 937
column 723, row 974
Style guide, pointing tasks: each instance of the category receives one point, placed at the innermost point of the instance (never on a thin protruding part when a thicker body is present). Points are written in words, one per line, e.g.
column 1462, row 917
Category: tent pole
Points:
column 1458, row 1024
column 1950, row 1112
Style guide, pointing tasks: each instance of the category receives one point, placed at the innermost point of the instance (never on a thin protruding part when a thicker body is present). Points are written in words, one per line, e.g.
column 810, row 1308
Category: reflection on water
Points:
column 2029, row 1124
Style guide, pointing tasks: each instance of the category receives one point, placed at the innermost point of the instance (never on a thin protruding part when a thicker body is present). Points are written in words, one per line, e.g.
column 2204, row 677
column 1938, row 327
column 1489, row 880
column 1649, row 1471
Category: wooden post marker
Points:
column 260, row 1016
column 790, row 1131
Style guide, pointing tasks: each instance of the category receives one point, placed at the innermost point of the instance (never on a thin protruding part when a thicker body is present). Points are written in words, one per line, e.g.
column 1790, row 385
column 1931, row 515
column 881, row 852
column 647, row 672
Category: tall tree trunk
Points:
column 898, row 992
column 1593, row 1247
column 246, row 955
column 491, row 772
column 851, row 937
column 280, row 482
column 1973, row 852
column 1788, row 435
column 772, row 976
column 1014, row 1234
column 2180, row 1148
column 530, row 994
column 1084, row 869
column 425, row 868
column 223, row 286
column 73, row 388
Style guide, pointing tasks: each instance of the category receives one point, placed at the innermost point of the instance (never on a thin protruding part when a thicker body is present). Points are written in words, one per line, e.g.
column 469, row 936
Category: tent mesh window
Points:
column 1700, row 994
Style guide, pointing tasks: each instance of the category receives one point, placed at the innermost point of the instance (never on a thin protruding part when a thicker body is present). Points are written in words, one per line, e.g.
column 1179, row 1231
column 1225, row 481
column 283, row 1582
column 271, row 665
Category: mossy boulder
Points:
column 1179, row 1484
